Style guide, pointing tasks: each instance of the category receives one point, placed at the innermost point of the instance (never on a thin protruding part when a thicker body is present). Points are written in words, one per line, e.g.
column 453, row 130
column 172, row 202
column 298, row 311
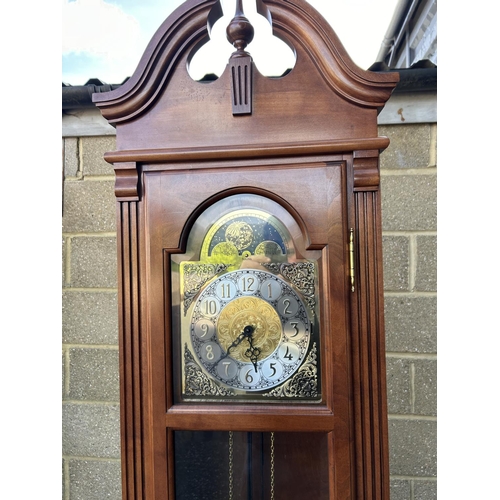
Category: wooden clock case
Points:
column 310, row 144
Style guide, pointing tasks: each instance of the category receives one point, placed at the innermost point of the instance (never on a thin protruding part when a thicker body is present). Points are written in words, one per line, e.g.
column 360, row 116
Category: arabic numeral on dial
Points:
column 289, row 353
column 286, row 303
column 226, row 290
column 248, row 284
column 204, row 329
column 227, row 369
column 272, row 369
column 295, row 330
column 210, row 307
column 270, row 289
column 288, row 306
column 249, row 377
column 210, row 352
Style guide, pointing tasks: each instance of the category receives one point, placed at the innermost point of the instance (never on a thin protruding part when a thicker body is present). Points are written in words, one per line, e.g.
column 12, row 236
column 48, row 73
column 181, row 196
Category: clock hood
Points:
column 175, row 112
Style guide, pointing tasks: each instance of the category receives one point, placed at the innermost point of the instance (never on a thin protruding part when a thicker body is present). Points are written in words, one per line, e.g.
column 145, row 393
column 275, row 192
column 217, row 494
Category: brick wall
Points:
column 91, row 447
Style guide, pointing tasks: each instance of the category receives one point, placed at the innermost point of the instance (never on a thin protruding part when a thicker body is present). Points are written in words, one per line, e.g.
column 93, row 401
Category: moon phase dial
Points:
column 250, row 330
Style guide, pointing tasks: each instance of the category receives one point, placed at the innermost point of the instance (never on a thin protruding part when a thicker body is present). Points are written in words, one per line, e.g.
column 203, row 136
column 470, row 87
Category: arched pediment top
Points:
column 294, row 21
column 185, row 27
column 304, row 26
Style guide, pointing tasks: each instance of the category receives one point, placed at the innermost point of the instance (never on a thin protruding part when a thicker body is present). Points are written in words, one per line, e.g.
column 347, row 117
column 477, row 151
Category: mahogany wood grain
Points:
column 368, row 354
column 295, row 149
column 130, row 396
column 309, row 144
column 127, row 181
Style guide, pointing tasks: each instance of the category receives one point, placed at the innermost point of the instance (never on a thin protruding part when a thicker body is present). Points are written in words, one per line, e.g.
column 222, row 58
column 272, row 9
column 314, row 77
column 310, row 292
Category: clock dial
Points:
column 271, row 309
column 248, row 309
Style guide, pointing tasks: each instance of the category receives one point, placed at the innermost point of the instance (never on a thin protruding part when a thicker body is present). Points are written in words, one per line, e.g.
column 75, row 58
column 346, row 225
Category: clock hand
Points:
column 252, row 352
column 245, row 334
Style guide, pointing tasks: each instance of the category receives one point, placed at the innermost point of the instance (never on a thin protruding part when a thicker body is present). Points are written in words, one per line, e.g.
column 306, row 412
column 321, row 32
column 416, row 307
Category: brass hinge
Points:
column 351, row 257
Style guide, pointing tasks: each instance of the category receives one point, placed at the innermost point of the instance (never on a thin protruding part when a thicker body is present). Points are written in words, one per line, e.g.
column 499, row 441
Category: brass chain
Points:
column 230, row 465
column 272, row 465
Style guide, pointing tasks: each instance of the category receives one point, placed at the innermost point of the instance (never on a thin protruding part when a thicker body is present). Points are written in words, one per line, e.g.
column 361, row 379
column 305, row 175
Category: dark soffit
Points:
column 420, row 78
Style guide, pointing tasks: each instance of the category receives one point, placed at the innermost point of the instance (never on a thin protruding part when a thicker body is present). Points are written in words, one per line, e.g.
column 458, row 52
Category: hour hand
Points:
column 245, row 334
column 252, row 352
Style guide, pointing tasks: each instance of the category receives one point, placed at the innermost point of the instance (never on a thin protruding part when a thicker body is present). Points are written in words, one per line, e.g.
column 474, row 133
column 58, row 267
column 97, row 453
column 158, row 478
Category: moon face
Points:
column 240, row 234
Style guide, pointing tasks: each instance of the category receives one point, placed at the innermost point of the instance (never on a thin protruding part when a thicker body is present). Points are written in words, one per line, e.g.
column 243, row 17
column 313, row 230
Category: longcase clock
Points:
column 250, row 282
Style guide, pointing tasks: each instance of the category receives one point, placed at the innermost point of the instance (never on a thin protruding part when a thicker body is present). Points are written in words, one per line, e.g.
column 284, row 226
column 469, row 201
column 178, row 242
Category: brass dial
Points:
column 249, row 325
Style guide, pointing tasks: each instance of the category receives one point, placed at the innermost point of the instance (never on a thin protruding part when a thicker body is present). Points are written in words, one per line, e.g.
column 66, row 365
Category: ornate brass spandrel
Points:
column 197, row 383
column 194, row 276
column 301, row 275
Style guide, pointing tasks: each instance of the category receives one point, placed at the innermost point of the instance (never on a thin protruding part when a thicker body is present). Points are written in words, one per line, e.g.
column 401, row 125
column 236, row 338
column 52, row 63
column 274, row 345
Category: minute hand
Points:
column 245, row 334
column 252, row 352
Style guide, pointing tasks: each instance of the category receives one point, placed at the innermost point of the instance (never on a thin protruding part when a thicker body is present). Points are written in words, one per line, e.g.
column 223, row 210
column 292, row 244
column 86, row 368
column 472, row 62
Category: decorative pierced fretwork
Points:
column 197, row 383
column 195, row 276
column 304, row 384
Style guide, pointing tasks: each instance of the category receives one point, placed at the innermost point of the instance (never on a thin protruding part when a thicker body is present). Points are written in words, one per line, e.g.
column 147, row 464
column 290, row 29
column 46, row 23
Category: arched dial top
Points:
column 248, row 312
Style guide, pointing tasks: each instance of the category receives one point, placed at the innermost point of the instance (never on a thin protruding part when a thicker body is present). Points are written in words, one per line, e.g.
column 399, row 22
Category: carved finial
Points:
column 240, row 31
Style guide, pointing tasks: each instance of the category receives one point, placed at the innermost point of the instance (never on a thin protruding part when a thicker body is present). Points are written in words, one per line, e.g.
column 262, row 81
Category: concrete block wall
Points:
column 91, row 415
column 409, row 210
column 91, row 444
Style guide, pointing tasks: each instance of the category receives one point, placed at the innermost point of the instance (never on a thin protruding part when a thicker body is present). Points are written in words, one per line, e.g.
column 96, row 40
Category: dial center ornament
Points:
column 254, row 312
column 250, row 330
column 252, row 352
